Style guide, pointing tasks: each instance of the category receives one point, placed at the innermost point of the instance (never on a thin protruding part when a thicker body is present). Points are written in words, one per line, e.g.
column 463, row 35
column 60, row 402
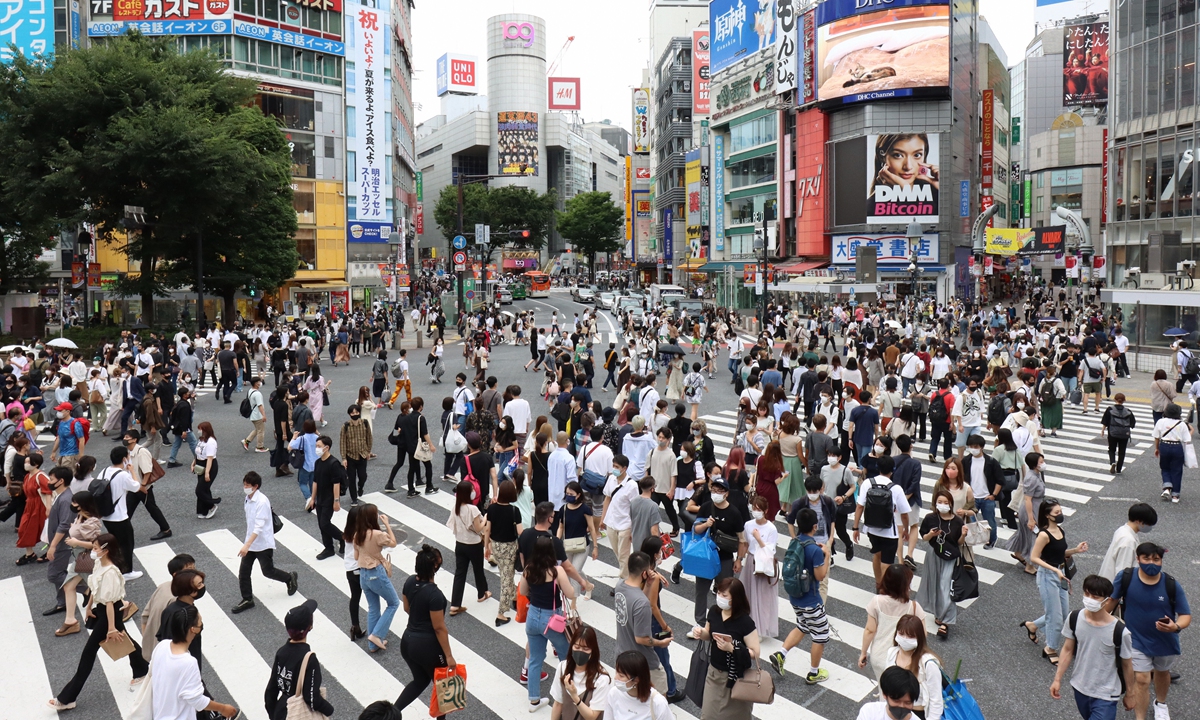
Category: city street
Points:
column 1005, row 671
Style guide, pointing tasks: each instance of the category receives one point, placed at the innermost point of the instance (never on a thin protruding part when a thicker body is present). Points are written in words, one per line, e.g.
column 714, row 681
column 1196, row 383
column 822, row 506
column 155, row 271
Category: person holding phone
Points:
column 734, row 648
column 1050, row 555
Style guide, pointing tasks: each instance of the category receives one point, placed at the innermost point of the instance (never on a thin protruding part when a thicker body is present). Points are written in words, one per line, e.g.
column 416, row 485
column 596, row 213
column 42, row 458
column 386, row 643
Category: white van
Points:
column 660, row 293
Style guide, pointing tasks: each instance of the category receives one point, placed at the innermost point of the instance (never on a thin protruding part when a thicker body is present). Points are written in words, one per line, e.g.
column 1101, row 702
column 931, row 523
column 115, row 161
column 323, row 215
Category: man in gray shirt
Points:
column 632, row 610
column 191, row 364
column 58, row 523
column 643, row 514
column 1089, row 636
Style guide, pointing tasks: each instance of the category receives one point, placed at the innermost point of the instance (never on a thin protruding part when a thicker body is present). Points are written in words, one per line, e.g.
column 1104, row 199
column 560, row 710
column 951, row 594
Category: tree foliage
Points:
column 593, row 224
column 507, row 209
column 133, row 122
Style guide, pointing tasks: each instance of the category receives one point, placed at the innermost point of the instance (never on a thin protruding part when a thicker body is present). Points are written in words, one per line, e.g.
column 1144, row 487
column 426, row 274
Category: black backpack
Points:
column 878, row 508
column 1120, row 421
column 1118, row 631
column 1193, row 365
column 1046, row 393
column 998, row 408
column 245, row 409
column 100, row 488
column 937, row 407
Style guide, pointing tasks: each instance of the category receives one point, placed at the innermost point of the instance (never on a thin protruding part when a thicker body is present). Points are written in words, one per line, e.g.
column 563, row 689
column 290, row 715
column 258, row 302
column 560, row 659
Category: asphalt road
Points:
column 1005, row 671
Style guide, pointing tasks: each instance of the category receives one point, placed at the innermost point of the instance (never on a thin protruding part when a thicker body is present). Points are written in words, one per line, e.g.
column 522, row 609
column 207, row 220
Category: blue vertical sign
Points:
column 668, row 238
column 76, row 30
column 29, row 26
column 964, row 199
column 718, row 200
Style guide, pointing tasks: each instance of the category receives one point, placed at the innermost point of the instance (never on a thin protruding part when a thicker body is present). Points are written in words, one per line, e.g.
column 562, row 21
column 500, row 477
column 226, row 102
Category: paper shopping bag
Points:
column 449, row 690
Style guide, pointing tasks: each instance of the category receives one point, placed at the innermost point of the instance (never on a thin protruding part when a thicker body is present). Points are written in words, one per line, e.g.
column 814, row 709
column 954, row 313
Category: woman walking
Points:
column 577, row 528
column 760, row 570
column 1051, row 393
column 316, row 386
column 1170, row 434
column 35, row 487
column 1162, row 394
column 107, row 589
column 372, row 535
column 205, row 467
column 352, row 572
column 769, row 476
column 452, row 464
column 84, row 530
column 504, row 525
column 943, row 530
column 425, row 644
column 912, row 653
column 883, row 612
column 1050, row 554
column 734, row 647
column 581, row 684
column 544, row 582
column 1033, row 488
column 468, row 526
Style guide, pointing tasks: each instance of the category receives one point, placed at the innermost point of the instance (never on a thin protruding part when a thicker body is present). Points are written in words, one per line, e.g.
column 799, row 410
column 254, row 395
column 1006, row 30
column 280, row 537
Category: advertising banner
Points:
column 808, row 56
column 964, row 198
column 642, row 206
column 868, row 53
column 903, row 178
column 987, row 121
column 1104, row 181
column 1007, row 241
column 988, row 265
column 812, row 132
column 739, row 28
column 367, row 232
column 692, row 180
column 745, row 88
column 701, row 77
column 369, row 36
column 517, row 143
column 628, row 197
column 242, row 28
column 668, row 255
column 171, row 10
column 642, row 176
column 78, row 274
column 787, row 53
column 456, row 74
column 1047, row 240
column 718, row 175
column 890, row 249
column 94, row 276
column 641, row 120
column 562, row 93
column 1085, row 64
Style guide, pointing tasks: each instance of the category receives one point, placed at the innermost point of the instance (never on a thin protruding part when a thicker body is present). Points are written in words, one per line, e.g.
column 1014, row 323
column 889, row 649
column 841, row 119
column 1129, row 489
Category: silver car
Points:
column 606, row 301
column 504, row 296
column 585, row 295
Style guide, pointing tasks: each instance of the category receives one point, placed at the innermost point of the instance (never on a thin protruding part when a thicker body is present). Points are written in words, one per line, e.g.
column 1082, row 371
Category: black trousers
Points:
column 138, row 498
column 227, row 383
column 665, row 500
column 266, row 563
column 423, row 653
column 464, row 556
column 122, row 530
column 356, row 469
column 15, row 508
column 355, row 596
column 414, row 473
column 1116, row 451
column 204, row 496
column 87, row 660
column 401, row 454
column 329, row 531
column 941, row 431
column 703, row 585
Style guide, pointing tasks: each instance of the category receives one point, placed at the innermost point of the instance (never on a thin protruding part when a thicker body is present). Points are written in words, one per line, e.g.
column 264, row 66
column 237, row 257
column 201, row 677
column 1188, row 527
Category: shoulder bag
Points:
column 423, row 453
column 297, row 708
column 755, row 685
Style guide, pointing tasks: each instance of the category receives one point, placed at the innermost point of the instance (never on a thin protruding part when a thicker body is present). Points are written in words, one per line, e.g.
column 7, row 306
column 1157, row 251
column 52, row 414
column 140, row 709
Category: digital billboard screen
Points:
column 903, row 174
column 1085, row 64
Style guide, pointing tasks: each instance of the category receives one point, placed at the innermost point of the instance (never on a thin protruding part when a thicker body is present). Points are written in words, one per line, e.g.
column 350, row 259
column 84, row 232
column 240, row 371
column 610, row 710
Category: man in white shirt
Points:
column 260, row 544
column 403, row 382
column 648, row 403
column 967, row 416
column 1122, row 344
column 518, row 410
column 78, row 371
column 619, row 492
column 595, row 457
column 636, row 448
column 121, row 482
column 910, row 366
column 462, row 396
column 900, row 689
column 885, row 539
column 258, row 417
column 182, row 341
column 1121, row 553
column 560, row 468
column 143, row 362
column 736, row 347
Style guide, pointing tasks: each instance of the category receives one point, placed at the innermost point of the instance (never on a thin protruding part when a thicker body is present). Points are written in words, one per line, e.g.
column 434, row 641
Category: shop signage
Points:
column 988, row 122
column 520, row 34
column 367, row 232
column 809, row 29
column 807, row 187
column 786, row 46
column 890, row 249
column 754, row 86
column 718, row 174
column 700, row 72
column 641, row 120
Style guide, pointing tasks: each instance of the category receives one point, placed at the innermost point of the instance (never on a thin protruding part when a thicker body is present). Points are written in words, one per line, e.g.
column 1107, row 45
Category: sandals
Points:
column 54, row 703
column 943, row 632
column 1032, row 633
column 486, row 596
column 1050, row 655
column 67, row 629
column 25, row 559
column 457, row 611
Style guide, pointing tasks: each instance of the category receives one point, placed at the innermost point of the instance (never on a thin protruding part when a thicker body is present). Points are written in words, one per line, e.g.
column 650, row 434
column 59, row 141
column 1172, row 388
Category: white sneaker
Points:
column 211, row 513
column 134, row 575
column 1161, row 712
column 545, row 702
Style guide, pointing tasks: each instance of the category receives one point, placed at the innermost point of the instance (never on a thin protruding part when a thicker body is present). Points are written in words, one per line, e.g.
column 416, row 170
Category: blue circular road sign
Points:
column 460, row 242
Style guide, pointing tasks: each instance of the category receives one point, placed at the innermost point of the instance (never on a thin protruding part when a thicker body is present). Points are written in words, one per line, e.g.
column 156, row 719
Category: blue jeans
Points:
column 1091, row 708
column 1071, row 383
column 1170, row 462
column 1055, row 604
column 988, row 508
column 375, row 585
column 535, row 626
column 664, row 657
column 191, row 441
column 905, row 384
column 305, row 478
column 733, row 366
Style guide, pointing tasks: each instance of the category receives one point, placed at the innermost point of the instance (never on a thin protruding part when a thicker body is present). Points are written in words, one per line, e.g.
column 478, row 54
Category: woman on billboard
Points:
column 905, row 179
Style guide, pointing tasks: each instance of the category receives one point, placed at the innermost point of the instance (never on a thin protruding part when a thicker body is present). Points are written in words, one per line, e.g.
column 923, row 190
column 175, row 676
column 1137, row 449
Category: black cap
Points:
column 719, row 483
column 301, row 616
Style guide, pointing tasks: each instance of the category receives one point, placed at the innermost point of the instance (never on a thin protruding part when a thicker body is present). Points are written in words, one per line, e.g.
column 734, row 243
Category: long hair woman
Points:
column 912, row 653
column 468, row 527
column 372, row 535
column 891, row 602
column 1033, row 488
column 1050, row 554
column 769, row 476
column 581, row 684
column 504, row 525
column 205, row 468
column 943, row 530
column 734, row 647
column 352, row 571
column 632, row 696
column 544, row 583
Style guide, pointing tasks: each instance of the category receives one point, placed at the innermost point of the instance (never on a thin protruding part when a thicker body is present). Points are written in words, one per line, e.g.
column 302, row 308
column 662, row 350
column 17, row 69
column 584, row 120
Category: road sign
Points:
column 460, row 257
column 470, row 294
column 487, row 234
column 459, row 268
column 758, row 217
column 479, row 232
column 460, row 242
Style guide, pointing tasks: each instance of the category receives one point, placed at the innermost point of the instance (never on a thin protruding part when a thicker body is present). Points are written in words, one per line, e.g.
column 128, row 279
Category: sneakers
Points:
column 777, row 661
column 293, row 583
column 246, row 445
column 675, row 572
column 132, row 575
column 1161, row 712
column 541, row 703
column 1166, row 494
column 209, row 515
column 525, row 676
column 242, row 607
column 912, row 564
column 821, row 675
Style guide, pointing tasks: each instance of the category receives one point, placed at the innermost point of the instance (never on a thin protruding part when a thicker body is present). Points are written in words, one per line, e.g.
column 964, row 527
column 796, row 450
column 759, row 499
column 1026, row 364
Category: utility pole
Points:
column 199, row 281
column 760, row 245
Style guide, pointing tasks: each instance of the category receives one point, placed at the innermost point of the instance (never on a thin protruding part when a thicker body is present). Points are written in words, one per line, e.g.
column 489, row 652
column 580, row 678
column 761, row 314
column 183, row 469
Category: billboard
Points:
column 987, row 121
column 1026, row 241
column 629, row 199
column 865, row 53
column 370, row 96
column 812, row 132
column 700, row 71
column 890, row 249
column 517, row 143
column 691, row 177
column 456, row 74
column 127, row 10
column 718, row 180
column 808, row 56
column 787, row 51
column 902, row 178
column 29, row 26
column 562, row 93
column 1085, row 64
column 641, row 120
column 367, row 232
column 739, row 28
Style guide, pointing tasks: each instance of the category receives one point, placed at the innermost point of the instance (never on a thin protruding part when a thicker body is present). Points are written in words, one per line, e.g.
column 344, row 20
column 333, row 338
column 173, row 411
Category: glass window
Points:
column 306, row 246
column 1136, row 180
column 304, row 150
column 1169, row 10
column 1187, row 170
column 1119, row 184
column 1170, row 63
column 312, row 18
column 1135, row 61
column 753, row 171
column 268, row 9
column 1151, row 18
column 246, row 7
column 304, row 199
column 333, row 22
column 1166, row 177
column 1041, row 183
column 1038, row 205
column 294, row 113
column 1187, row 13
column 1149, row 189
column 1153, row 77
column 752, row 134
column 743, row 209
column 1187, row 67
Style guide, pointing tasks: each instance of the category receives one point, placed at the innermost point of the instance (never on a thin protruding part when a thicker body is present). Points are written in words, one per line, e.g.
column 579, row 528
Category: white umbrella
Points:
column 63, row 343
column 10, row 348
column 894, row 324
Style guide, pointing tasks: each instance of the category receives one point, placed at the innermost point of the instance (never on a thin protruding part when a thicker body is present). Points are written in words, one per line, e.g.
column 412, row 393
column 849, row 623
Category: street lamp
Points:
column 913, row 233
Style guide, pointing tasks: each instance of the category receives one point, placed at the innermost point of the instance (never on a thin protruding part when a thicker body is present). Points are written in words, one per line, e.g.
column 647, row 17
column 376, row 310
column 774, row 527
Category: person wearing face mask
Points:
column 178, row 692
column 1102, row 648
column 967, row 415
column 987, row 482
column 1033, row 491
column 943, row 530
column 186, row 587
column 809, row 607
column 726, row 519
column 35, row 486
column 912, row 653
column 105, row 616
column 259, row 545
column 1050, row 554
column 1156, row 610
column 581, row 684
column 631, row 695
column 1120, row 555
column 760, row 570
column 734, row 648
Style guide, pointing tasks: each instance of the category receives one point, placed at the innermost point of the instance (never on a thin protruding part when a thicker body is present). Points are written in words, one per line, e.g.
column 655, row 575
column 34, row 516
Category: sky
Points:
column 610, row 47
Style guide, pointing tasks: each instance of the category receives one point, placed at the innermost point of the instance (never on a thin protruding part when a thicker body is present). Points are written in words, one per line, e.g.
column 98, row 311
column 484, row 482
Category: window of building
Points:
column 306, row 247
column 270, row 59
column 1041, row 180
column 752, row 172
column 1151, row 18
column 1038, row 206
column 268, row 9
column 1153, row 76
column 758, row 131
column 304, row 153
column 304, row 200
column 1187, row 66
column 62, row 29
column 742, row 210
column 1169, row 68
column 292, row 112
column 330, row 147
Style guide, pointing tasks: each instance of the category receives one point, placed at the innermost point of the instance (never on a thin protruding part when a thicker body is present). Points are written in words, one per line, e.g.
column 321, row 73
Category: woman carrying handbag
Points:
column 543, row 582
column 733, row 655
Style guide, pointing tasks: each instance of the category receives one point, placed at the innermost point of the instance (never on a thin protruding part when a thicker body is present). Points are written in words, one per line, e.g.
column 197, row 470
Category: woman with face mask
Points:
column 912, row 653
column 187, row 586
column 954, row 481
column 1050, row 554
column 631, row 696
column 107, row 587
column 84, row 530
column 35, row 488
column 760, row 570
column 581, row 684
column 1033, row 489
column 176, row 684
column 943, row 530
column 734, row 648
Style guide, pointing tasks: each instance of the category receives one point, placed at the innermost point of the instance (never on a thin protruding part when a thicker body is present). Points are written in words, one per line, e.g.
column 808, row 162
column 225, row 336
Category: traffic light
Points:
column 252, row 288
column 519, row 234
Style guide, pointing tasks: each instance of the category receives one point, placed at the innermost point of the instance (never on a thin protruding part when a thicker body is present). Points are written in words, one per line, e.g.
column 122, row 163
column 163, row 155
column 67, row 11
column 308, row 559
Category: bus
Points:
column 539, row 283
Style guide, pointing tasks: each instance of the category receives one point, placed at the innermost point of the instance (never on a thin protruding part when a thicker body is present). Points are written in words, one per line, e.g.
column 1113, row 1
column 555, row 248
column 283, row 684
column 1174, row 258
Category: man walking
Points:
column 119, row 483
column 355, row 442
column 227, row 361
column 1122, row 551
column 141, row 466
column 58, row 524
column 259, row 545
column 70, row 440
column 1101, row 647
column 181, row 427
column 403, row 380
column 258, row 416
column 132, row 393
column 328, row 479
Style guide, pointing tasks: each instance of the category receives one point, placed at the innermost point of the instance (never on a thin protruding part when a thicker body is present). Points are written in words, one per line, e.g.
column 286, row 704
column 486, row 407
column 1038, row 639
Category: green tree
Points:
column 475, row 209
column 133, row 122
column 593, row 224
column 507, row 209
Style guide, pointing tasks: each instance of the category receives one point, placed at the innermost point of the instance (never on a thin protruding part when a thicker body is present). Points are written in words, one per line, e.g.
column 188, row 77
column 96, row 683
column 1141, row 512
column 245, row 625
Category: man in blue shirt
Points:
column 69, row 440
column 864, row 427
column 810, row 611
column 1155, row 610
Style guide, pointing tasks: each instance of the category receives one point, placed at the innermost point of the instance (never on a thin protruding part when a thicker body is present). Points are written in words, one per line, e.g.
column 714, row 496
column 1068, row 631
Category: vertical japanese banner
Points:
column 786, row 51
column 808, row 57
column 419, row 222
column 370, row 100
column 718, row 199
column 1104, row 182
column 700, row 77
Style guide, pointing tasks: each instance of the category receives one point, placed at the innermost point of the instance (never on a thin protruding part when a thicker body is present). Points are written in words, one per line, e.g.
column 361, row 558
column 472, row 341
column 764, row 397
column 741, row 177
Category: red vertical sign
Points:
column 1104, row 183
column 987, row 136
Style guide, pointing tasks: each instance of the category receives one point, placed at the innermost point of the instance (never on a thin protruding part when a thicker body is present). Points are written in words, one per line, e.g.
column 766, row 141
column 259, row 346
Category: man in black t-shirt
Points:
column 227, row 361
column 718, row 514
column 329, row 477
column 481, row 467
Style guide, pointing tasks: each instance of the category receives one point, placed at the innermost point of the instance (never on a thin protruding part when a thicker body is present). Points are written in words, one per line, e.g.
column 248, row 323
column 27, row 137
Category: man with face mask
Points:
column 1099, row 643
column 967, row 415
column 58, row 524
column 329, row 477
column 259, row 545
column 634, row 618
column 900, row 689
column 810, row 607
column 718, row 514
column 1142, row 517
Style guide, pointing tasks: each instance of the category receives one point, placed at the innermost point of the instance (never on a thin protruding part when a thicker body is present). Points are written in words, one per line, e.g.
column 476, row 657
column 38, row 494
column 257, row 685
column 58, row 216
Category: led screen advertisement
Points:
column 902, row 178
column 1085, row 64
column 739, row 28
column 517, row 143
column 866, row 53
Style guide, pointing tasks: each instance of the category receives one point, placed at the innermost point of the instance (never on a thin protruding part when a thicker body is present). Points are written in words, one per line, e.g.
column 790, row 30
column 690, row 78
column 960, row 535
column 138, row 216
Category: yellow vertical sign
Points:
column 629, row 197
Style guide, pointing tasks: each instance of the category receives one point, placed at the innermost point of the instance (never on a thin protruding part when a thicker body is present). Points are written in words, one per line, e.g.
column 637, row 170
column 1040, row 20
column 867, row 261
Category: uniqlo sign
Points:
column 456, row 74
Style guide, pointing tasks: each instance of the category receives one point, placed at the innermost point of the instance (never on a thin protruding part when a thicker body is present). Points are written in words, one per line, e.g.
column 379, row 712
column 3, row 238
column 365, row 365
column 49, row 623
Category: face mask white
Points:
column 248, row 490
column 976, row 451
column 718, row 497
column 1092, row 604
column 906, row 644
column 943, row 508
column 813, row 497
column 878, row 449
column 757, row 514
column 723, row 602
column 1041, row 467
column 624, row 686
column 1020, row 406
column 95, row 556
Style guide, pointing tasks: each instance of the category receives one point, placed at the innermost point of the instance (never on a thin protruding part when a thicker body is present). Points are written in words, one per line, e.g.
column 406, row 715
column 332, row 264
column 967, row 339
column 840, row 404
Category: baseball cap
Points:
column 63, row 406
column 301, row 616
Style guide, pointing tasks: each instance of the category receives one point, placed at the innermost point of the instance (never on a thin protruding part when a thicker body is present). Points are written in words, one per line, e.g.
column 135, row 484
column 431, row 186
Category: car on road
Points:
column 519, row 291
column 606, row 301
column 504, row 296
column 584, row 294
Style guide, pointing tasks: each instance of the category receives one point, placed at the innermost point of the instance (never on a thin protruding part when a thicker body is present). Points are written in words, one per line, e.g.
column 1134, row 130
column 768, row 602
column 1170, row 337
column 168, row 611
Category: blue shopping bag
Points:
column 699, row 555
column 960, row 705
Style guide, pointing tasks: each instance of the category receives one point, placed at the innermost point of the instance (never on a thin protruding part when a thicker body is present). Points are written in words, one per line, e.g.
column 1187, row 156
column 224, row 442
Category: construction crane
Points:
column 558, row 58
